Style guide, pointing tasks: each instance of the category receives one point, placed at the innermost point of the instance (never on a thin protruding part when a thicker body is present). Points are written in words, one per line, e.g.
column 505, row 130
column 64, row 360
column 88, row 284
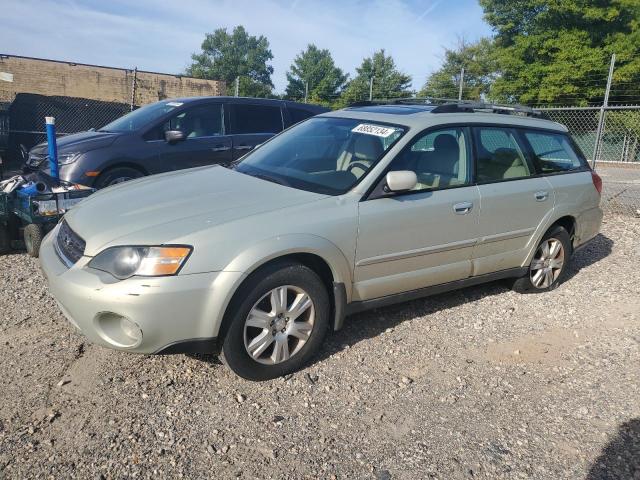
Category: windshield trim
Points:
column 319, row 188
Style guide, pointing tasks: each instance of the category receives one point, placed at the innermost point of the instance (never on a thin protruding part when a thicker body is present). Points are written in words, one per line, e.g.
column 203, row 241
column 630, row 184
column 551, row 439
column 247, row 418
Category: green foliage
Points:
column 479, row 72
column 557, row 51
column 388, row 82
column 227, row 56
column 316, row 67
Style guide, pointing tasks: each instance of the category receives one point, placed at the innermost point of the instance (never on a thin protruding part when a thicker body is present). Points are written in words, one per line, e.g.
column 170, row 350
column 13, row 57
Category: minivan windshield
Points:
column 323, row 154
column 141, row 117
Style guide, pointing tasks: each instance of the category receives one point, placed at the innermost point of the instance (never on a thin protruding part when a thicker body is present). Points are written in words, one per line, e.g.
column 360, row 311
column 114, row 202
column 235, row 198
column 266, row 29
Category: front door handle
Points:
column 541, row 196
column 463, row 208
column 243, row 147
column 220, row 148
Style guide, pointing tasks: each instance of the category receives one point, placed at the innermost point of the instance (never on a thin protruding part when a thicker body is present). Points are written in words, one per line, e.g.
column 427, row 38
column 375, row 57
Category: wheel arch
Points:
column 319, row 255
column 121, row 164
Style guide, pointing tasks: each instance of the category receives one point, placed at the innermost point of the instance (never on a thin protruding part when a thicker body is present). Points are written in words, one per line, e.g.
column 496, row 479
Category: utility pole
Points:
column 237, row 89
column 133, row 89
column 306, row 91
column 605, row 104
column 461, row 84
column 371, row 87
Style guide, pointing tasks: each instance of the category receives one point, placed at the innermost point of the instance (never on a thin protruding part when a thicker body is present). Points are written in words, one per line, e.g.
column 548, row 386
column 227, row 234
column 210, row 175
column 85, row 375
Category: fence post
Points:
column 133, row 89
column 605, row 104
column 461, row 83
column 52, row 147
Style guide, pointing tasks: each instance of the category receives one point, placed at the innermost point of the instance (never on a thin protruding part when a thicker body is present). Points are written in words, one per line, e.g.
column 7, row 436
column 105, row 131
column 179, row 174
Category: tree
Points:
column 227, row 56
column 557, row 51
column 388, row 82
column 316, row 68
column 479, row 72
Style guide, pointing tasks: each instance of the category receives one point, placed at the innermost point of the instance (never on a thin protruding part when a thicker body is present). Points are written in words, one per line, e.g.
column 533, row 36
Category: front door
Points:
column 205, row 142
column 515, row 203
column 426, row 236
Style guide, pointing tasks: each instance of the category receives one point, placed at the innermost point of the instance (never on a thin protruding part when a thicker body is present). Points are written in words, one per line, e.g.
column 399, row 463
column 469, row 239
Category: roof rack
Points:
column 462, row 106
column 447, row 105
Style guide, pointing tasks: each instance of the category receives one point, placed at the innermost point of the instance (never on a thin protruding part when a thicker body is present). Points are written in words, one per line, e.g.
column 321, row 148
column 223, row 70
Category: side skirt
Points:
column 360, row 306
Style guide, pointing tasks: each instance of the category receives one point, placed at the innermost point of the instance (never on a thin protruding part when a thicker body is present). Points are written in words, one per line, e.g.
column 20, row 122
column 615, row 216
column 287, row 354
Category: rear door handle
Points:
column 220, row 148
column 463, row 208
column 243, row 147
column 541, row 196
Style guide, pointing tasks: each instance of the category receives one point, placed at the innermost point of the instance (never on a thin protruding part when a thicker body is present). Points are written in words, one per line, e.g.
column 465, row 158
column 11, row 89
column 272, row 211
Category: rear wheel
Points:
column 549, row 263
column 5, row 239
column 278, row 323
column 33, row 239
column 117, row 175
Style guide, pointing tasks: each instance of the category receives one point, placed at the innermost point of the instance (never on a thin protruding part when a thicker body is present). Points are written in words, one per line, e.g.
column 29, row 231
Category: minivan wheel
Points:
column 549, row 263
column 278, row 323
column 117, row 175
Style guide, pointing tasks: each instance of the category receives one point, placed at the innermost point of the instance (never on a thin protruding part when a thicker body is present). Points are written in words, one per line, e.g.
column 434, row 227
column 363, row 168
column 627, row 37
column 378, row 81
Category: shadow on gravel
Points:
column 600, row 247
column 620, row 459
column 370, row 324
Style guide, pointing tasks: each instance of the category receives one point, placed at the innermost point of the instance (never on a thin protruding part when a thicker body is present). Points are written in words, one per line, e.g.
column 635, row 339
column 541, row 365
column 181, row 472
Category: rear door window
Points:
column 553, row 151
column 248, row 118
column 499, row 155
column 298, row 114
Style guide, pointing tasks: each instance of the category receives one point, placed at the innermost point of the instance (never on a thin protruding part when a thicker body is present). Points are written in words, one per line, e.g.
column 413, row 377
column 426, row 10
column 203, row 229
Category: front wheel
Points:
column 549, row 263
column 278, row 323
column 117, row 175
column 33, row 239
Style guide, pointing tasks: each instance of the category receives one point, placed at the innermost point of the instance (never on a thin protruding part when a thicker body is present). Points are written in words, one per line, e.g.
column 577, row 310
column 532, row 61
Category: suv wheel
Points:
column 278, row 324
column 117, row 175
column 549, row 263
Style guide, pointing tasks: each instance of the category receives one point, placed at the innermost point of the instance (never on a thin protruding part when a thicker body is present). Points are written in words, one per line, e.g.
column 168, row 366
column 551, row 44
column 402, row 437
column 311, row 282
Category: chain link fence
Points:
column 614, row 149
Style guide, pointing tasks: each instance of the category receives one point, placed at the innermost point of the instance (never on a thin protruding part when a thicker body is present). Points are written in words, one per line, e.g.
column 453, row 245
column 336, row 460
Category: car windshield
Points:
column 323, row 154
column 141, row 117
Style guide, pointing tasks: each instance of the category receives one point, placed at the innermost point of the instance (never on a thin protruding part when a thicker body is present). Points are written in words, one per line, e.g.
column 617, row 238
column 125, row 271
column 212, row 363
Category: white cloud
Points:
column 161, row 36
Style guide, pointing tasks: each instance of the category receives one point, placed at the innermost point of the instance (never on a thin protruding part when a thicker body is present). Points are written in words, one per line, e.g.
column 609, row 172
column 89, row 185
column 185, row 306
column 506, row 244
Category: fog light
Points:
column 131, row 330
column 117, row 330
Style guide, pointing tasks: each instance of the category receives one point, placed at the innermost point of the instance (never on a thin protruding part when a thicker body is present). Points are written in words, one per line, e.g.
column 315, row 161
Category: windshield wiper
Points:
column 262, row 176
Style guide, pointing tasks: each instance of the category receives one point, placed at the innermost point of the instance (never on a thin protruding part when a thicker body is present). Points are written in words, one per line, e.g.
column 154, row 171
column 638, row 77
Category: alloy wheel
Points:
column 279, row 324
column 547, row 263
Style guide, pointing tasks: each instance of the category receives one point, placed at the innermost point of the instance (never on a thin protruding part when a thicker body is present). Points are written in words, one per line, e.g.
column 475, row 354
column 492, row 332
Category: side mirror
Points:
column 173, row 136
column 401, row 181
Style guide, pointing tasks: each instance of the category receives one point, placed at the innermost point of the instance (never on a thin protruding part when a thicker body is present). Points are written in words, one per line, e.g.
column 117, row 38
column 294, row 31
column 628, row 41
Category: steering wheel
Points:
column 362, row 165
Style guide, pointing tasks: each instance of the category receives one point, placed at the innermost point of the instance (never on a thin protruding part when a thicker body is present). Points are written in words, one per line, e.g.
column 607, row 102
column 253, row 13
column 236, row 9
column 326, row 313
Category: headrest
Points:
column 445, row 142
column 367, row 147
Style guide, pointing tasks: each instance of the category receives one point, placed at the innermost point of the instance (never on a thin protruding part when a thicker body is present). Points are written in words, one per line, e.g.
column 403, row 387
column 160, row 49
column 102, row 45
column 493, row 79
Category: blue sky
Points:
column 161, row 35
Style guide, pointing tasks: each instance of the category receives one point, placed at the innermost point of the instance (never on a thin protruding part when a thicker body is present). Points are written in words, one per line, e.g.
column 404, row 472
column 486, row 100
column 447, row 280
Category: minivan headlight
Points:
column 125, row 262
column 67, row 158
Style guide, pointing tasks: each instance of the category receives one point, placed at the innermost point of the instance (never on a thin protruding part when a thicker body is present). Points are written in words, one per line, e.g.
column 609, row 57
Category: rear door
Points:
column 250, row 124
column 205, row 143
column 515, row 201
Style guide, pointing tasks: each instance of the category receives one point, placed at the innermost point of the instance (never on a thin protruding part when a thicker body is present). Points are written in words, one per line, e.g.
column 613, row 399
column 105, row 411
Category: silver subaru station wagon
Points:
column 346, row 211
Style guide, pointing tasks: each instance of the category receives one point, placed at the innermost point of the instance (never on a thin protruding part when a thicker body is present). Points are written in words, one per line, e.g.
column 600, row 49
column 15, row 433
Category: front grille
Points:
column 69, row 245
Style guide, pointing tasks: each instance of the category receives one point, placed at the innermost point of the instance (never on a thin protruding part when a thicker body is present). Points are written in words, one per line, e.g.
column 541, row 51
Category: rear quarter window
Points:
column 554, row 152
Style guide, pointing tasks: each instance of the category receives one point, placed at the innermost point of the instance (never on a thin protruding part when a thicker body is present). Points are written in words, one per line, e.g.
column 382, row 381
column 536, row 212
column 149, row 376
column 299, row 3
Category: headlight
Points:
column 67, row 158
column 125, row 262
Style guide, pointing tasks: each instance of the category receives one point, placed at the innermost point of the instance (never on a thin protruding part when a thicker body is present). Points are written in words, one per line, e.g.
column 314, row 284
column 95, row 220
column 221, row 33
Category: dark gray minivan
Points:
column 171, row 135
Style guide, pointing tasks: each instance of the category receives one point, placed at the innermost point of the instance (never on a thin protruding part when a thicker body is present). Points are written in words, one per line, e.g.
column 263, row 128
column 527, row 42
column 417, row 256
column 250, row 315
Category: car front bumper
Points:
column 174, row 314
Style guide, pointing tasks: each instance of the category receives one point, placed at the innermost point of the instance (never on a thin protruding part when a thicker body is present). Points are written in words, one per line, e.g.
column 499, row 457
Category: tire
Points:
column 547, row 277
column 274, row 329
column 33, row 239
column 117, row 175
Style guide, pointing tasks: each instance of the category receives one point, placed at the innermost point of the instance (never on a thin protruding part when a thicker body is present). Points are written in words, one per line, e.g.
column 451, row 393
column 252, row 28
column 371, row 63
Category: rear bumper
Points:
column 174, row 314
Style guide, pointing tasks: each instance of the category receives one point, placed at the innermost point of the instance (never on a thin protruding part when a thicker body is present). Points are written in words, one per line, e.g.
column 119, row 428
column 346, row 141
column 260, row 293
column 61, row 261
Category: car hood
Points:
column 79, row 142
column 159, row 209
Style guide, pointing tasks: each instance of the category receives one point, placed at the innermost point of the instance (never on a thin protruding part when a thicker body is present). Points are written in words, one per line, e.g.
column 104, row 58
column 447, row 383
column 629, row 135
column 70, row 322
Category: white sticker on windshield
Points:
column 377, row 130
column 175, row 104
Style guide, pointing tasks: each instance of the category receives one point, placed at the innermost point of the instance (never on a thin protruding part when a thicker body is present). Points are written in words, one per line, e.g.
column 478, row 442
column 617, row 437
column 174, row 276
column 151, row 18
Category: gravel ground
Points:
column 480, row 383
